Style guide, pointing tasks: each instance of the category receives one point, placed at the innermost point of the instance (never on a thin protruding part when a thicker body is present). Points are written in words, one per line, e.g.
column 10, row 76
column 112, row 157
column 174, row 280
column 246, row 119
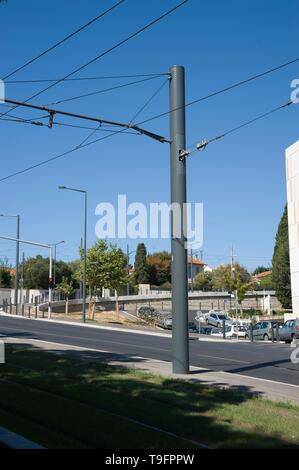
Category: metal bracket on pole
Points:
column 184, row 154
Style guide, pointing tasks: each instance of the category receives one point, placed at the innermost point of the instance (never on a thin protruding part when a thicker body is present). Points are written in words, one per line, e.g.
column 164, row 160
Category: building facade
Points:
column 292, row 168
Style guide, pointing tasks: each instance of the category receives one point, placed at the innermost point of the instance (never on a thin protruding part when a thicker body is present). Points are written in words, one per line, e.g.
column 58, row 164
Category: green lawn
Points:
column 63, row 401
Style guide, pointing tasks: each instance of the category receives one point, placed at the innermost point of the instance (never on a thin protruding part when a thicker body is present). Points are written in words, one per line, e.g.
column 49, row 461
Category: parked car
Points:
column 217, row 319
column 289, row 331
column 217, row 332
column 230, row 332
column 192, row 327
column 263, row 331
column 205, row 330
column 165, row 323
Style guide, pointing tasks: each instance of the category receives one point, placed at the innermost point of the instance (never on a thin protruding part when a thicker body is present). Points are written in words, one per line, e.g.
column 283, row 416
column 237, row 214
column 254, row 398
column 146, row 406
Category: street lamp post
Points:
column 17, row 259
column 50, row 248
column 85, row 246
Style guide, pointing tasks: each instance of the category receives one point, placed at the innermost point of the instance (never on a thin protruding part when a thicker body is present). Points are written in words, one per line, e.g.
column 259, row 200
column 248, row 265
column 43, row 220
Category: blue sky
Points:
column 240, row 180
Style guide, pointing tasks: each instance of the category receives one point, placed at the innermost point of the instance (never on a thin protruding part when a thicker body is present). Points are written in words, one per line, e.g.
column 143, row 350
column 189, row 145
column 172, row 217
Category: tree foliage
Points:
column 159, row 268
column 106, row 267
column 36, row 272
column 204, row 282
column 281, row 264
column 6, row 277
column 141, row 269
column 226, row 280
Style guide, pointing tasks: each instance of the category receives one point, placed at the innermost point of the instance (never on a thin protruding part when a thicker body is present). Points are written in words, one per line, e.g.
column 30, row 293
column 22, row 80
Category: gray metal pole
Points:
column 54, row 266
column 17, row 266
column 81, row 282
column 85, row 262
column 128, row 264
column 50, row 283
column 179, row 198
column 192, row 282
column 22, row 280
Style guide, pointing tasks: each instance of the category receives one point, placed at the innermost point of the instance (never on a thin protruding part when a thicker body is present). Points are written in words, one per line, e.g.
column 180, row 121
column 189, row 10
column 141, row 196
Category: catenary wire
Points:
column 107, row 77
column 223, row 90
column 150, row 100
column 107, row 51
column 203, row 144
column 74, row 33
column 106, row 90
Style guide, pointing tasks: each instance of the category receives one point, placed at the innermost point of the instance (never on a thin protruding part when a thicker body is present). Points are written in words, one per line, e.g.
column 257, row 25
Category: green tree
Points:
column 265, row 284
column 6, row 277
column 106, row 269
column 159, row 268
column 225, row 279
column 66, row 287
column 204, row 282
column 141, row 269
column 281, row 264
column 36, row 272
column 241, row 288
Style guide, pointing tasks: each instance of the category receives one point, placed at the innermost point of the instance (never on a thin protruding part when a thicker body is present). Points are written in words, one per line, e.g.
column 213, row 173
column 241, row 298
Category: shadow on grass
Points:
column 80, row 396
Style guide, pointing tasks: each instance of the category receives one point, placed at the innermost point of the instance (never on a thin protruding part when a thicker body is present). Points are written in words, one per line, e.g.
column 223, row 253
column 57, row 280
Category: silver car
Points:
column 289, row 331
column 217, row 318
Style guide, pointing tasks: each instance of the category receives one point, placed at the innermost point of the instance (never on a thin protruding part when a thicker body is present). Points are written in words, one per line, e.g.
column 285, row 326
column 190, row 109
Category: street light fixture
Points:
column 17, row 258
column 85, row 246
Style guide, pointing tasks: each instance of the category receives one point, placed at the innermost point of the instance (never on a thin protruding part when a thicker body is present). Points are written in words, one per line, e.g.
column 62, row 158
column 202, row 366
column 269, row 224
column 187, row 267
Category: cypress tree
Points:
column 141, row 269
column 281, row 264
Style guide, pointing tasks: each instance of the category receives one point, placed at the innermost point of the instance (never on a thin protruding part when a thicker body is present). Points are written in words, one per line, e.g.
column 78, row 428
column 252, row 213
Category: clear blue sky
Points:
column 240, row 180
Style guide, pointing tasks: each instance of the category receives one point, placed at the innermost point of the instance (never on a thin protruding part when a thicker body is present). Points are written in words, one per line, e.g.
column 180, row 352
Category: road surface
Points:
column 267, row 361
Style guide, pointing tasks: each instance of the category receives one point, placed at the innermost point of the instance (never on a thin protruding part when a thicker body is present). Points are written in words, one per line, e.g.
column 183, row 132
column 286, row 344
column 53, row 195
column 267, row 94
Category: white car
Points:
column 230, row 332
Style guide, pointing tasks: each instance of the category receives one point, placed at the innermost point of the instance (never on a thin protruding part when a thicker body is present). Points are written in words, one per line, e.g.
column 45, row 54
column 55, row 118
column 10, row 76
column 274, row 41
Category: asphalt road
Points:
column 268, row 361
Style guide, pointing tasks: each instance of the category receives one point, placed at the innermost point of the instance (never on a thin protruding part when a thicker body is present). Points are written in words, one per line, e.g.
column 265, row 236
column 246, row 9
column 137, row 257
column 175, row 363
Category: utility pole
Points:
column 17, row 266
column 50, row 283
column 128, row 269
column 234, row 278
column 81, row 282
column 192, row 283
column 22, row 278
column 180, row 333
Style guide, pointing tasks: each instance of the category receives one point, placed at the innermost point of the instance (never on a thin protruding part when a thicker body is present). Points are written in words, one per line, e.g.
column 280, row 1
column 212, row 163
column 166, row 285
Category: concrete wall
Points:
column 292, row 167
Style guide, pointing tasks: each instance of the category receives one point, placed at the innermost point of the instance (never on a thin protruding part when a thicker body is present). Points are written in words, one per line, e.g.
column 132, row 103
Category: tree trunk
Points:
column 116, row 305
column 89, row 305
column 93, row 308
column 67, row 306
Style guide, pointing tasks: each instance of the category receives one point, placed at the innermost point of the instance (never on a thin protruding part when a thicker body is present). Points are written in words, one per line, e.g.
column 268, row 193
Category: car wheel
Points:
column 266, row 338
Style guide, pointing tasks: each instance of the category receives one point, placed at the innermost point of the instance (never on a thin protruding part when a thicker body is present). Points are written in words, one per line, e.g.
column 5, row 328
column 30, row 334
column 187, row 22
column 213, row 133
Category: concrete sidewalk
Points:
column 258, row 387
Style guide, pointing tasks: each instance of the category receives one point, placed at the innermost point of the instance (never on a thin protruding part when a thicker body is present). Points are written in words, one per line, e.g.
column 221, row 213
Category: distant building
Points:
column 260, row 276
column 292, row 164
column 195, row 267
